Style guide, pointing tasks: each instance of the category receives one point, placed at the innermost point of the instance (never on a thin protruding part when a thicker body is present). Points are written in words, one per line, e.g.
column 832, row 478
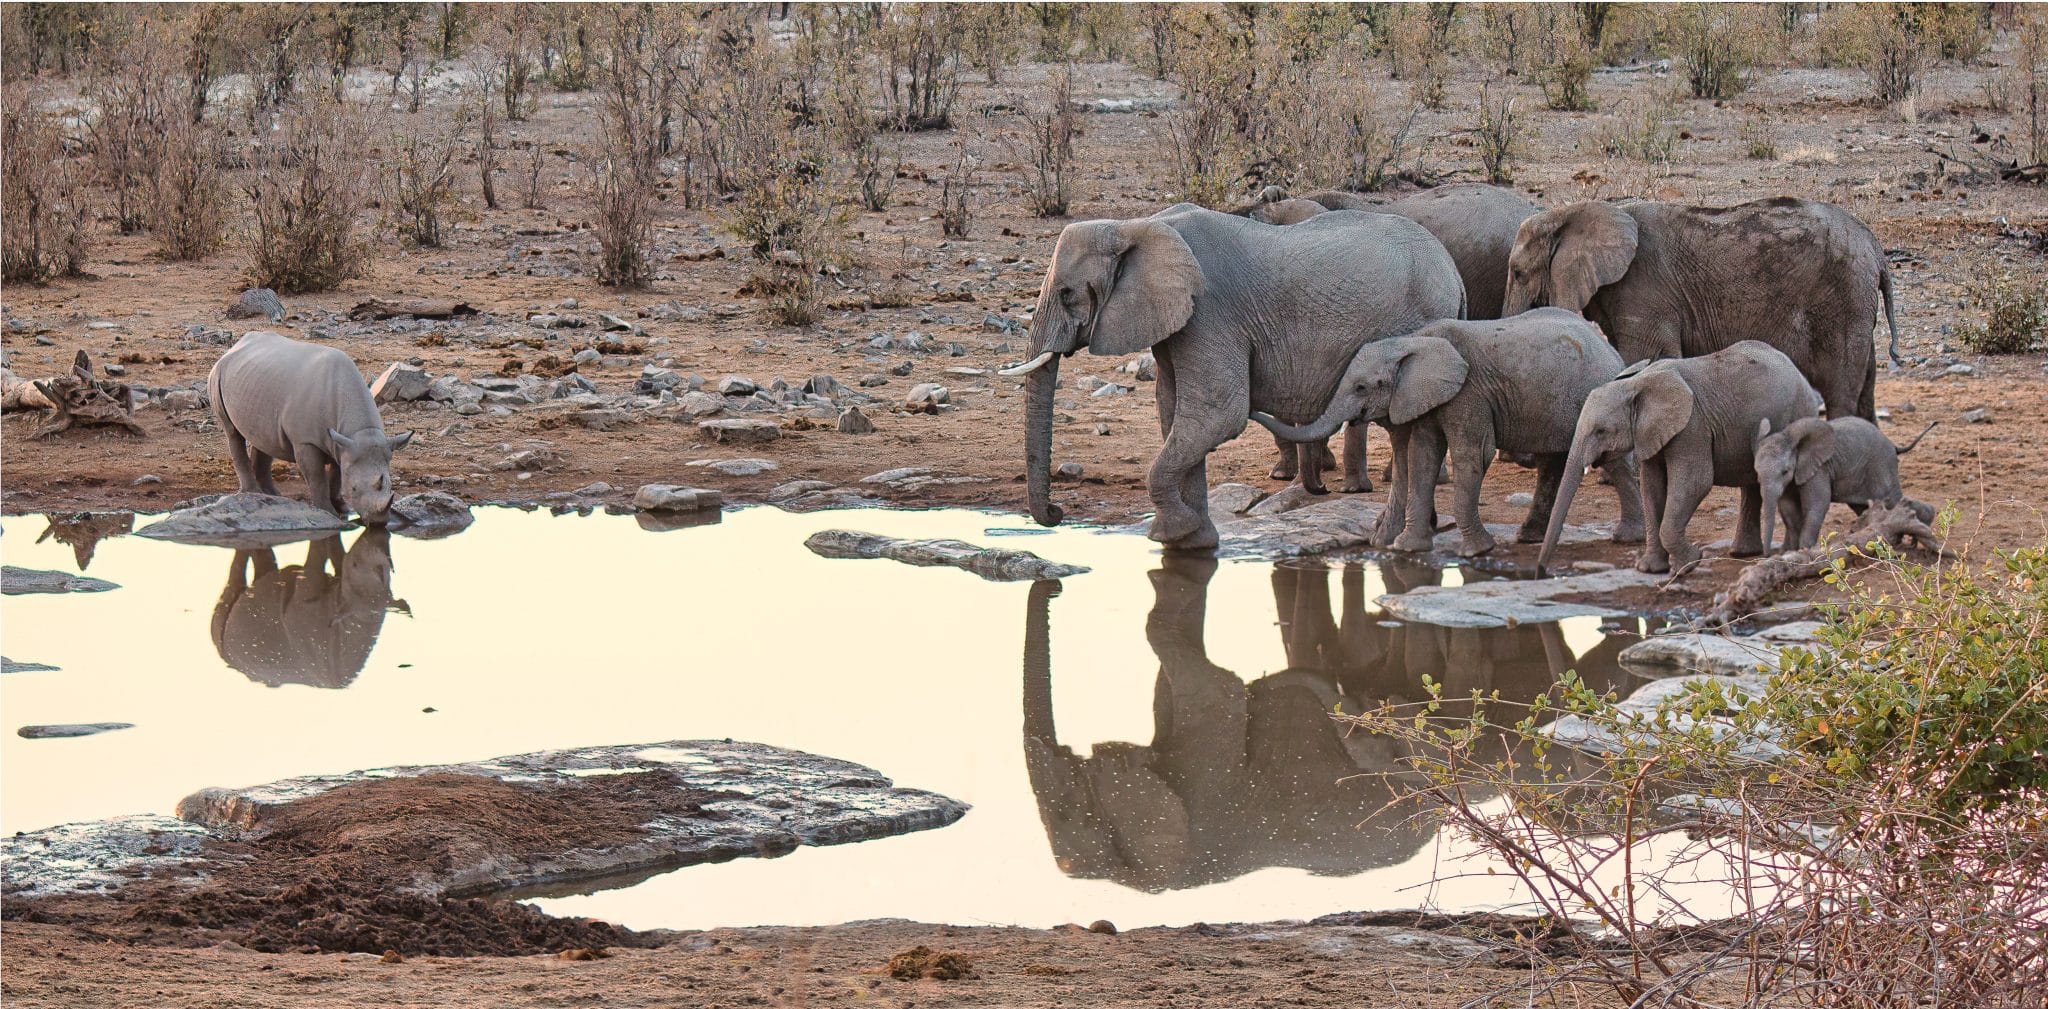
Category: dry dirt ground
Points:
column 512, row 262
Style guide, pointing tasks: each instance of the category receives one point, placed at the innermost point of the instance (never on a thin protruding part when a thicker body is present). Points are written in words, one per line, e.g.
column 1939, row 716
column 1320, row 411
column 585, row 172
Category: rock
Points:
column 586, row 357
column 1090, row 383
column 603, row 420
column 614, row 324
column 1961, row 369
column 700, row 404
column 8, row 665
column 993, row 563
column 146, row 480
column 431, row 514
column 740, row 431
column 70, row 731
column 244, row 521
column 897, row 475
column 927, row 397
column 873, row 381
column 1979, row 415
column 1102, row 926
column 1233, row 498
column 1144, row 367
column 1068, row 472
column 1588, row 567
column 662, row 497
column 184, row 399
column 769, row 801
column 852, row 421
column 1521, row 499
column 1510, row 602
column 1585, row 734
column 96, row 857
column 736, row 467
column 1720, row 654
column 257, row 303
column 114, row 369
column 30, row 581
column 598, row 489
column 1286, row 499
column 797, row 488
column 526, row 460
column 401, row 383
column 737, row 385
column 569, row 385
column 449, row 389
column 901, row 370
column 827, row 386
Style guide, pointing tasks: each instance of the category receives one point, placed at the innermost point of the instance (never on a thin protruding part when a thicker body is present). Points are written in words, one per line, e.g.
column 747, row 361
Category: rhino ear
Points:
column 403, row 439
column 341, row 441
column 1662, row 409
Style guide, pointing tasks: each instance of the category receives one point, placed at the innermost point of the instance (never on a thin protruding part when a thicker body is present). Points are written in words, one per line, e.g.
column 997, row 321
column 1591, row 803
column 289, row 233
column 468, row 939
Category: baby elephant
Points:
column 1470, row 388
column 1693, row 424
column 1846, row 460
column 278, row 398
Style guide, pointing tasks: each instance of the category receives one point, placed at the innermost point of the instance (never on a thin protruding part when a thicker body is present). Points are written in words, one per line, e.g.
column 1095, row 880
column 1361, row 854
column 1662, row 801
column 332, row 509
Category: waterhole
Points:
column 1149, row 742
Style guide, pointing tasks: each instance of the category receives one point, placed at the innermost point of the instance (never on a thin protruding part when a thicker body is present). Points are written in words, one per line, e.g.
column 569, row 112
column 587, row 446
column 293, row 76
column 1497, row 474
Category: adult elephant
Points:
column 1241, row 316
column 1665, row 280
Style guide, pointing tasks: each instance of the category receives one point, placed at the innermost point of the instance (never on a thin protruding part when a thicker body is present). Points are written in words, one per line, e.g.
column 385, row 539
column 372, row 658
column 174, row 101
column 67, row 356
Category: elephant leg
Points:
column 1749, row 524
column 1622, row 474
column 1549, row 471
column 1469, row 460
column 1815, row 514
column 1179, row 479
column 1394, row 517
column 1163, row 391
column 1310, row 458
column 1791, row 512
column 313, row 469
column 1425, row 454
column 238, row 454
column 1652, row 490
column 1290, row 456
column 1685, row 488
column 266, row 480
column 1357, row 478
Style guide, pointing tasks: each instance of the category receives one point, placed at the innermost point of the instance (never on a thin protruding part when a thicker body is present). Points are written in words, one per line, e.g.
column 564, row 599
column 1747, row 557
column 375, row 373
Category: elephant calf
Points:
column 278, row 398
column 1693, row 425
column 1845, row 460
column 1471, row 388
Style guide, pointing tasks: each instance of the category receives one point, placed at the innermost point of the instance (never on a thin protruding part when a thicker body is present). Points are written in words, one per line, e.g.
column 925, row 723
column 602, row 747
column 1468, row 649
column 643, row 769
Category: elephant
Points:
column 1476, row 223
column 1665, row 280
column 1514, row 385
column 1241, row 316
column 1243, row 776
column 1845, row 460
column 312, row 624
column 1693, row 424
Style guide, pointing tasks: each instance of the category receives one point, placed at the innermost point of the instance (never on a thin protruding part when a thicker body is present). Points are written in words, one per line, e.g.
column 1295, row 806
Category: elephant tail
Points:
column 1884, row 285
column 1908, row 447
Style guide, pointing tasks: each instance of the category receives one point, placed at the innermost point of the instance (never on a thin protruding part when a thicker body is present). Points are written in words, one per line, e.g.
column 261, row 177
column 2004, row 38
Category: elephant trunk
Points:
column 1038, row 443
column 1567, row 487
column 1771, row 492
column 1314, row 431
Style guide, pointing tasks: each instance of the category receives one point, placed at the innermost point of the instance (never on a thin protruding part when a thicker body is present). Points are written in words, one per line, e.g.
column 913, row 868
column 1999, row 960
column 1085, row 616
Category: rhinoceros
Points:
column 278, row 398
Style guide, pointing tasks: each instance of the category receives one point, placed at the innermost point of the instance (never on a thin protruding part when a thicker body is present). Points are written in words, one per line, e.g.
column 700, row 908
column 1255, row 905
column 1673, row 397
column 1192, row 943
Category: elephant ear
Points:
column 1431, row 373
column 1813, row 446
column 1593, row 247
column 1153, row 294
column 1663, row 406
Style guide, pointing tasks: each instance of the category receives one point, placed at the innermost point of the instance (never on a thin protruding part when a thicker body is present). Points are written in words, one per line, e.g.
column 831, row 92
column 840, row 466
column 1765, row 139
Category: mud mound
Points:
column 920, row 962
column 357, row 870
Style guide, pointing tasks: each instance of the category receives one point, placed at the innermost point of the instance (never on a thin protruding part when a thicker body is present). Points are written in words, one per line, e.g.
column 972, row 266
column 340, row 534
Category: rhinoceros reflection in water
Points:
column 1240, row 777
column 313, row 623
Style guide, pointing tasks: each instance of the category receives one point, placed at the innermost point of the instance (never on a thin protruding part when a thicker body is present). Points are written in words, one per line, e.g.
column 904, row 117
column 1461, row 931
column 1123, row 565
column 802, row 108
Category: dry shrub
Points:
column 2028, row 78
column 920, row 47
column 1757, row 140
column 640, row 82
column 1204, row 143
column 1046, row 154
column 956, row 194
column 1641, row 130
column 1563, row 60
column 2015, row 311
column 1499, row 132
column 1418, row 43
column 188, row 212
column 1716, row 44
column 530, row 183
column 1505, row 32
column 307, row 190
column 135, row 90
column 424, row 151
column 43, row 208
column 1892, row 43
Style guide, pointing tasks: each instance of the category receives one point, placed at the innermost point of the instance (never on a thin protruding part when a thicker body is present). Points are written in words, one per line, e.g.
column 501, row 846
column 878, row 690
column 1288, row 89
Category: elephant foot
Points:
column 1627, row 531
column 1532, row 532
column 1653, row 565
column 1385, row 528
column 1475, row 544
column 1358, row 486
column 1188, row 530
column 1741, row 549
column 1202, row 540
column 1284, row 471
column 1413, row 542
column 1683, row 556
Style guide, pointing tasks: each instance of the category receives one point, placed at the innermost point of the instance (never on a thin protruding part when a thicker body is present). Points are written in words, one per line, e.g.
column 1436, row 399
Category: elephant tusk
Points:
column 1029, row 366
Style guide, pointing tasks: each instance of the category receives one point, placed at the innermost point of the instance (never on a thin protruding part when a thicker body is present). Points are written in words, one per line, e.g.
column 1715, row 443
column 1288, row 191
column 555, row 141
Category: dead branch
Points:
column 21, row 394
column 1899, row 526
column 375, row 309
column 81, row 400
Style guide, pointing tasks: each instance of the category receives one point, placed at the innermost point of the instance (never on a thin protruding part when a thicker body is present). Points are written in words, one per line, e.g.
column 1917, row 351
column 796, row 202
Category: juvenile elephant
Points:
column 1664, row 280
column 1476, row 223
column 1842, row 461
column 1241, row 316
column 1693, row 424
column 1472, row 388
column 278, row 398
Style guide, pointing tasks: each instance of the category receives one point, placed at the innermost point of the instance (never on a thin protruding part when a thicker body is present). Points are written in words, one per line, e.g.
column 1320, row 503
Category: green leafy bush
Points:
column 2015, row 314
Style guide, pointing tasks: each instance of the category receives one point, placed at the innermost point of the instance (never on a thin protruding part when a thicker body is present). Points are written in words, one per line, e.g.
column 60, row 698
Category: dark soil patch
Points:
column 920, row 962
column 360, row 869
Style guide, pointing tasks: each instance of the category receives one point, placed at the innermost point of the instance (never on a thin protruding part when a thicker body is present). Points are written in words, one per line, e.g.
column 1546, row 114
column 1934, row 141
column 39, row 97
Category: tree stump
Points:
column 81, row 400
column 1899, row 526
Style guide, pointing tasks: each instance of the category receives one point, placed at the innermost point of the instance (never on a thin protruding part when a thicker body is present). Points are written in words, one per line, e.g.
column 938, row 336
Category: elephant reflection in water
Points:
column 313, row 623
column 1242, row 776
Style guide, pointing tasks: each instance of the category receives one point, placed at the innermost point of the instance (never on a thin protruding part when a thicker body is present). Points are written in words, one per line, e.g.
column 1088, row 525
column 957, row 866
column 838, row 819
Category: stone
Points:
column 797, row 488
column 700, row 404
column 569, row 385
column 70, row 731
column 736, row 385
column 897, row 475
column 1233, row 498
column 8, row 665
column 146, row 480
column 1144, row 367
column 827, row 386
column 97, row 857
column 30, row 581
column 662, row 497
column 257, row 303
column 852, row 421
column 1102, row 926
column 1978, row 415
column 927, row 397
column 1110, row 389
column 1068, row 472
column 736, row 467
column 1582, row 733
column 401, row 383
column 1961, row 369
column 1511, row 602
column 430, row 514
column 1521, row 499
column 184, row 399
column 614, row 324
column 1720, row 654
column 245, row 521
column 604, row 420
column 587, row 356
column 527, row 460
column 900, row 370
column 873, row 381
column 740, row 431
column 597, row 489
column 1286, row 499
column 992, row 563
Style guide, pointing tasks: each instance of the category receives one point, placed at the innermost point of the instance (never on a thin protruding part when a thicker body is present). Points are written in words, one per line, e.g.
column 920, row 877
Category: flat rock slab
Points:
column 784, row 799
column 70, row 730
column 1582, row 733
column 1294, row 523
column 8, row 665
column 993, row 563
column 1509, row 602
column 740, row 431
column 1719, row 654
column 25, row 581
column 665, row 497
column 244, row 520
column 95, row 857
column 430, row 515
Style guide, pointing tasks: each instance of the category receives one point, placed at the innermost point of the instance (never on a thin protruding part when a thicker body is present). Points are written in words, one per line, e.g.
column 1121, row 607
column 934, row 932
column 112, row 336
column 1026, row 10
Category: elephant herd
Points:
column 1666, row 344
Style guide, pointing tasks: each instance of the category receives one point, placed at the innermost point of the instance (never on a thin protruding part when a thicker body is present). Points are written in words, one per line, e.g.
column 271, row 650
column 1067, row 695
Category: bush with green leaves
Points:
column 2015, row 311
